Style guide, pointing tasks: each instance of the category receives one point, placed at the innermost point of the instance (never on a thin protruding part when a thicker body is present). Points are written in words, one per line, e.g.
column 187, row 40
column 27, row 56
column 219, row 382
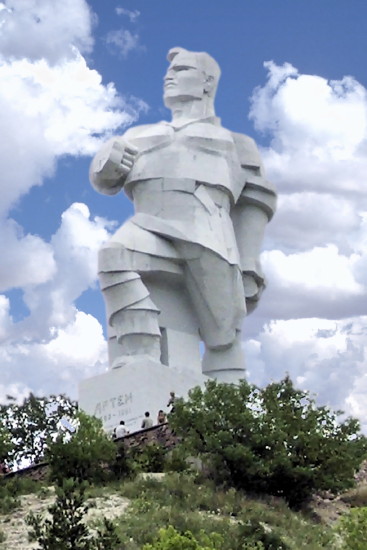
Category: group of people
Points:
column 147, row 422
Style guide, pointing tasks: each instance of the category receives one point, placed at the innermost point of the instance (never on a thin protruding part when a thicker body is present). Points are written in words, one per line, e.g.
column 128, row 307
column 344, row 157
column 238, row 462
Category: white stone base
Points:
column 125, row 393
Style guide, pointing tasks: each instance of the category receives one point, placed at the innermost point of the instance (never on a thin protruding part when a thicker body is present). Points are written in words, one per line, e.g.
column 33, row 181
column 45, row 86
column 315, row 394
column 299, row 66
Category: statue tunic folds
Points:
column 201, row 205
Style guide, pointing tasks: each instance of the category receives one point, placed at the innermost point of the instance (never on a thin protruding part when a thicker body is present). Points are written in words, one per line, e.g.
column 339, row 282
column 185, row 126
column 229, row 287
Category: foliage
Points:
column 170, row 539
column 273, row 440
column 176, row 461
column 83, row 455
column 149, row 458
column 11, row 489
column 353, row 529
column 260, row 535
column 33, row 423
column 6, row 445
column 187, row 503
column 66, row 529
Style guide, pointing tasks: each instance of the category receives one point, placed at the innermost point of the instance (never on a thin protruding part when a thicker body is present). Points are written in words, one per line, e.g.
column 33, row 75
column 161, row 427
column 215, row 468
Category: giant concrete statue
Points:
column 179, row 276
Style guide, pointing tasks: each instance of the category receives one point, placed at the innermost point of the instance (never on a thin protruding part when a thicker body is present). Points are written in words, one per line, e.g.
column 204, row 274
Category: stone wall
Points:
column 161, row 434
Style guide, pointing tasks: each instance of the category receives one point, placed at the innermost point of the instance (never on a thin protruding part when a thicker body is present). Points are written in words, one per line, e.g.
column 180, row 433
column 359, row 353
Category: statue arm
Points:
column 253, row 210
column 111, row 165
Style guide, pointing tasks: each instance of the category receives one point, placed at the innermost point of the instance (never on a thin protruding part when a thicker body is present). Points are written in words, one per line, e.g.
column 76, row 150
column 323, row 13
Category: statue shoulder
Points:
column 247, row 151
column 137, row 131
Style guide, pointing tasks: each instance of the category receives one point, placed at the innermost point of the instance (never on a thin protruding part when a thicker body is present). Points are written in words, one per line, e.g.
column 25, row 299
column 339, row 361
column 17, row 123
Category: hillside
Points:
column 140, row 507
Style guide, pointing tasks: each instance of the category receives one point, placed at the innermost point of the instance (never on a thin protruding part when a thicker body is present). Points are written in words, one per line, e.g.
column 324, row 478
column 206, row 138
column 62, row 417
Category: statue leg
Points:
column 135, row 270
column 132, row 317
column 216, row 290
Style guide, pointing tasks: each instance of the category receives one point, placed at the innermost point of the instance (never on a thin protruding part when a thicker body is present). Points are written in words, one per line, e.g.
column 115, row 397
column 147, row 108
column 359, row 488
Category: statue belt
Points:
column 219, row 195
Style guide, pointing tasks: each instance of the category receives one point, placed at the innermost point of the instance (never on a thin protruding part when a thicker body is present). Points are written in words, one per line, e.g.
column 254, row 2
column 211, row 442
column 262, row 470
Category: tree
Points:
column 33, row 423
column 6, row 447
column 66, row 528
column 82, row 455
column 273, row 440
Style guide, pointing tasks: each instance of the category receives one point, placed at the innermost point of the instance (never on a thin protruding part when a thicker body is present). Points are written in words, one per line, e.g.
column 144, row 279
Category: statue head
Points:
column 191, row 76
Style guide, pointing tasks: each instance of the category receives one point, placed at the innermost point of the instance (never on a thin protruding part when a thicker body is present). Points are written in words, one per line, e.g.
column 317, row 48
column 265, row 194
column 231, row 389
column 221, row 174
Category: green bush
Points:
column 12, row 488
column 273, row 440
column 149, row 458
column 170, row 539
column 188, row 504
column 176, row 461
column 83, row 455
column 256, row 534
column 353, row 529
column 66, row 528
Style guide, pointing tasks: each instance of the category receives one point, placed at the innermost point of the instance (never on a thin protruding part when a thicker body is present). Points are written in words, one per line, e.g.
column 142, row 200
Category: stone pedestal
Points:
column 125, row 393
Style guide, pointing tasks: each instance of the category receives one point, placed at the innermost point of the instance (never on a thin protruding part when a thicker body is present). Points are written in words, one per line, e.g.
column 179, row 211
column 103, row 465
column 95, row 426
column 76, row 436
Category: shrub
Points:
column 11, row 489
column 185, row 503
column 353, row 529
column 66, row 528
column 83, row 455
column 273, row 440
column 170, row 539
column 149, row 458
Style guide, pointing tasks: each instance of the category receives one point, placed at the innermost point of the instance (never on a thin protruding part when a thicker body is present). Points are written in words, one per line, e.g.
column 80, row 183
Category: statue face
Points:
column 184, row 80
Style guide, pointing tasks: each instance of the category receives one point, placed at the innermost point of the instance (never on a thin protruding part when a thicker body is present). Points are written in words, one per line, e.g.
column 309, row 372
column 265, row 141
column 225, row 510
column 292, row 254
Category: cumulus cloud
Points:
column 318, row 130
column 55, row 365
column 75, row 246
column 61, row 110
column 122, row 41
column 40, row 29
column 315, row 254
column 325, row 357
column 51, row 105
column 27, row 259
column 56, row 345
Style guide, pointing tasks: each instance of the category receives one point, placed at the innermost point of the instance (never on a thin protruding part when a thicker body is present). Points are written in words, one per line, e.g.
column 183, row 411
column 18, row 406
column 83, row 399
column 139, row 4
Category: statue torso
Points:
column 199, row 151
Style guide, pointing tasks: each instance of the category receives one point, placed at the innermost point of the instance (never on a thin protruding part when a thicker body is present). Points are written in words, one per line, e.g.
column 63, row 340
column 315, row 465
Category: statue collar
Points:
column 177, row 125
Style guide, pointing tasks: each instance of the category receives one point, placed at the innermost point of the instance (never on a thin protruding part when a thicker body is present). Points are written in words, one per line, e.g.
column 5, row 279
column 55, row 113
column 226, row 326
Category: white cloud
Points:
column 320, row 270
column 57, row 345
column 325, row 357
column 45, row 29
column 133, row 15
column 75, row 247
column 5, row 318
column 315, row 257
column 318, row 130
column 61, row 110
column 305, row 220
column 74, row 352
column 26, row 259
column 51, row 105
column 122, row 42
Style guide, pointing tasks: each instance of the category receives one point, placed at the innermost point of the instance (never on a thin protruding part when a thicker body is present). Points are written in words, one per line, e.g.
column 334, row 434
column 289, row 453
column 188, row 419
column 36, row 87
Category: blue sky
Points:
column 293, row 77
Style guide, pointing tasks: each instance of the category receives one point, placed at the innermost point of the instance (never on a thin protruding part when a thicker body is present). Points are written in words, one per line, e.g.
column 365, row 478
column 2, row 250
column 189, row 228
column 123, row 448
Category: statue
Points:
column 180, row 275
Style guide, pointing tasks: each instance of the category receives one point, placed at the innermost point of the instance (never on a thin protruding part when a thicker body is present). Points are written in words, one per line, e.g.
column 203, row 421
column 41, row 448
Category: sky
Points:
column 75, row 72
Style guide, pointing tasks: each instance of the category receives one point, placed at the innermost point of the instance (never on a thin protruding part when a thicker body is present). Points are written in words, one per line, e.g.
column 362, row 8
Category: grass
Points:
column 190, row 503
column 187, row 502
